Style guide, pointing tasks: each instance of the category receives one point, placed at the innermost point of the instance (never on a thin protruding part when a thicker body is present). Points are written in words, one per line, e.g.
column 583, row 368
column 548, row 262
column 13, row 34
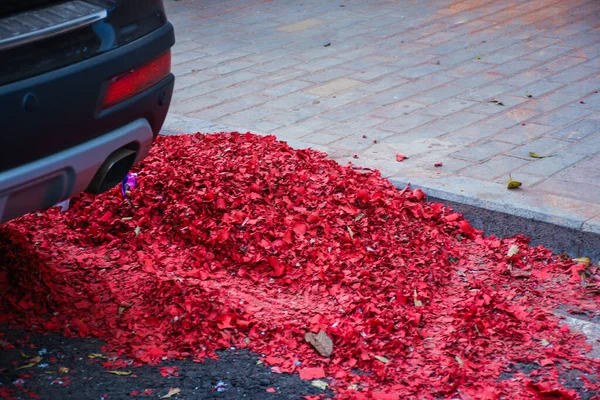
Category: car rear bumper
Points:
column 57, row 110
column 45, row 182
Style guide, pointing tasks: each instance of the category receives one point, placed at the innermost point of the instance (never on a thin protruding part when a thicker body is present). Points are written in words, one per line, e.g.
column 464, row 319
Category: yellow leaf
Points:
column 514, row 249
column 513, row 184
column 34, row 361
column 172, row 392
column 459, row 361
column 320, row 384
column 27, row 366
column 96, row 355
column 63, row 370
column 535, row 155
column 24, row 355
column 382, row 359
column 528, row 94
column 583, row 260
column 120, row 373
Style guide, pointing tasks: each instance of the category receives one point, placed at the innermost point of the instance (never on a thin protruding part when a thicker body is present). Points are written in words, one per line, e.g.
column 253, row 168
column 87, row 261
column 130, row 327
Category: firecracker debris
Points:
column 238, row 240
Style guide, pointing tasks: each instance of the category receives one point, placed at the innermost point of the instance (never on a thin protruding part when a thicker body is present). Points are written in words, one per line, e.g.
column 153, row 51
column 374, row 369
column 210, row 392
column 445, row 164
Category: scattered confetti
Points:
column 244, row 242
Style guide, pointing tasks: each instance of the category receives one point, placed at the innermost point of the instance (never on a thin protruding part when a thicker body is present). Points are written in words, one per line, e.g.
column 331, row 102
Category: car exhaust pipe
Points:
column 112, row 172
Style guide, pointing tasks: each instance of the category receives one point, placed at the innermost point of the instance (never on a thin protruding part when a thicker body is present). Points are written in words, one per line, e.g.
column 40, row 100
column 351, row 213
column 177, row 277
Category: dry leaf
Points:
column 63, row 370
column 34, row 361
column 96, row 355
column 514, row 249
column 496, row 102
column 172, row 392
column 350, row 232
column 513, row 184
column 583, row 260
column 382, row 359
column 320, row 384
column 27, row 366
column 528, row 94
column 321, row 342
column 535, row 155
column 120, row 373
column 137, row 231
column 418, row 303
column 544, row 343
column 24, row 355
column 459, row 361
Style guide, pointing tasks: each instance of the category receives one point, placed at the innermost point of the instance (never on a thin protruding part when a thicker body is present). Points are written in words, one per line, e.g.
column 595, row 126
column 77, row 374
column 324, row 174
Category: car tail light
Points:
column 130, row 83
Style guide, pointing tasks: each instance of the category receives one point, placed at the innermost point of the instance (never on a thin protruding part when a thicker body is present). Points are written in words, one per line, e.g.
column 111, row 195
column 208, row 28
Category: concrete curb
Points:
column 561, row 234
column 564, row 226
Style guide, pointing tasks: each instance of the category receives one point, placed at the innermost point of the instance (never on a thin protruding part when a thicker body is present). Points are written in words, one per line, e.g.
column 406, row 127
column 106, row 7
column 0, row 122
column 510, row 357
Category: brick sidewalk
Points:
column 417, row 77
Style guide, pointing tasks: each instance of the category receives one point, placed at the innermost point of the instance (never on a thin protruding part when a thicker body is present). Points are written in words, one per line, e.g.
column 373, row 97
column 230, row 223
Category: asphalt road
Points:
column 235, row 375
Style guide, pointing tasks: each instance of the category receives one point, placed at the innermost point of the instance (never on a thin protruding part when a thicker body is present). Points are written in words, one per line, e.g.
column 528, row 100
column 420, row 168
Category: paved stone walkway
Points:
column 366, row 80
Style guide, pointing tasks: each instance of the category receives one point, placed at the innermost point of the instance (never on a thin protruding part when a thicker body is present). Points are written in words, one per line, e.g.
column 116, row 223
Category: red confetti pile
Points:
column 239, row 240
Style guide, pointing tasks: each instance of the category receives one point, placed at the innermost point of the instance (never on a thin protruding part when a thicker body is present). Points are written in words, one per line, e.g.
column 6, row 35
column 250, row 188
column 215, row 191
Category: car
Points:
column 85, row 86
